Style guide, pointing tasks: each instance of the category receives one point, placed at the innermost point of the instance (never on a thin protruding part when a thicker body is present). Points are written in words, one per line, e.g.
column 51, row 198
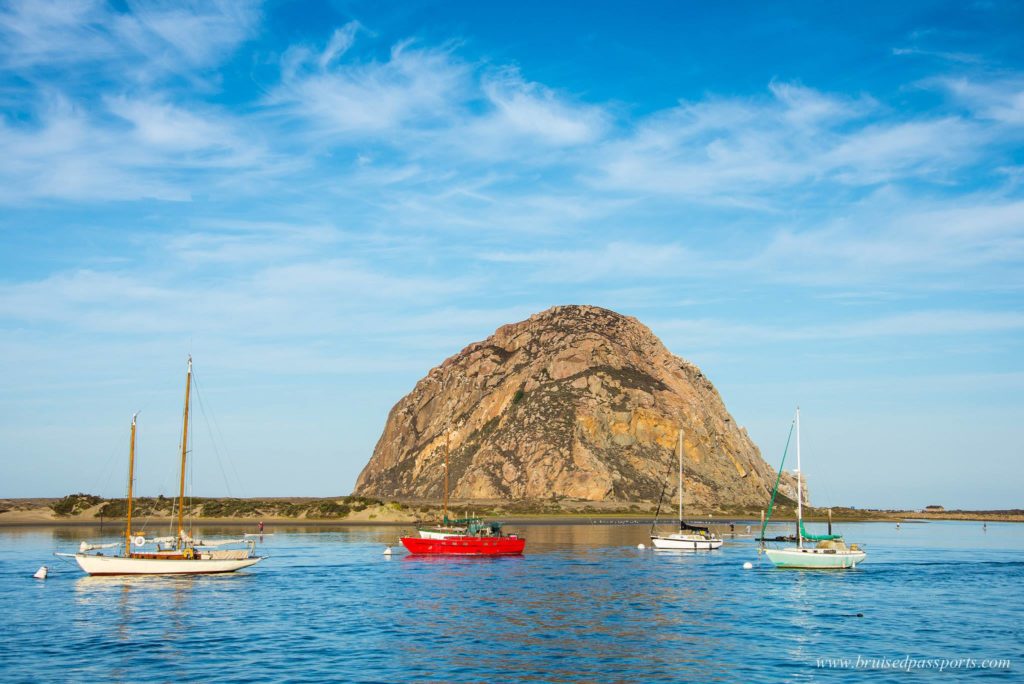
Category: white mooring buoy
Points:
column 748, row 565
column 641, row 547
column 41, row 573
column 387, row 550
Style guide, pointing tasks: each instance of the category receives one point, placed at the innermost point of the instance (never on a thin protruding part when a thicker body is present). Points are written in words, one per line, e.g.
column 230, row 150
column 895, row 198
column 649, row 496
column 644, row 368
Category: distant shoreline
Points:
column 38, row 513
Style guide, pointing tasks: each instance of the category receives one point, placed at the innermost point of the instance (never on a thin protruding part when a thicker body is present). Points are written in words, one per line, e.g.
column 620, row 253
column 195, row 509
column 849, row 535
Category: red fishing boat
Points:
column 478, row 540
column 464, row 537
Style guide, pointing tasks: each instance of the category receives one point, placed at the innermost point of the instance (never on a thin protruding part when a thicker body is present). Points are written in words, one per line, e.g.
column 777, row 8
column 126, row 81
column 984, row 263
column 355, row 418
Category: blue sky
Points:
column 818, row 203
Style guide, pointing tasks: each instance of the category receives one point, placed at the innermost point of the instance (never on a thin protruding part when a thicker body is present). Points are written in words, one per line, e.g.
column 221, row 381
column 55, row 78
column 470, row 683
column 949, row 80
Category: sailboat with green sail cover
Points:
column 812, row 551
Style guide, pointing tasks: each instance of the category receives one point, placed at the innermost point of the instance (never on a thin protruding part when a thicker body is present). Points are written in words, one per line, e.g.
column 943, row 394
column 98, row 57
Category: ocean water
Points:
column 938, row 600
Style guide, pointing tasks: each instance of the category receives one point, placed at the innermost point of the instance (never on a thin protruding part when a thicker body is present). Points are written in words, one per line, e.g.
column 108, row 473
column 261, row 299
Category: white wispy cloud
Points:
column 133, row 148
column 894, row 241
column 1000, row 100
column 612, row 261
column 711, row 332
column 416, row 88
column 749, row 146
column 887, row 244
column 522, row 111
column 944, row 55
column 168, row 37
column 339, row 44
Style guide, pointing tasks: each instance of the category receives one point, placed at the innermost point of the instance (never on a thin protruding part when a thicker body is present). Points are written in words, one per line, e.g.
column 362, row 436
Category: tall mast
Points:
column 799, row 487
column 131, row 478
column 184, row 448
column 680, row 479
column 447, row 443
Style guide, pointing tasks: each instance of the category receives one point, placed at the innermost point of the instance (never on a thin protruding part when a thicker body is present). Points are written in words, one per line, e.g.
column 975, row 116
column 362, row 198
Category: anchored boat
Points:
column 829, row 551
column 177, row 555
column 447, row 527
column 464, row 536
column 689, row 537
column 478, row 540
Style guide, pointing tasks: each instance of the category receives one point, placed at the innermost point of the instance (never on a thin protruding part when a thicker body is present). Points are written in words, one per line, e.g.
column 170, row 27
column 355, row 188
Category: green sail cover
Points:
column 817, row 537
column 771, row 504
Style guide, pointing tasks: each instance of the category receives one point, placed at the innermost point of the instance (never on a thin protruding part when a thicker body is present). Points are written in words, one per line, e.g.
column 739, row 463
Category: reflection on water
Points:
column 583, row 604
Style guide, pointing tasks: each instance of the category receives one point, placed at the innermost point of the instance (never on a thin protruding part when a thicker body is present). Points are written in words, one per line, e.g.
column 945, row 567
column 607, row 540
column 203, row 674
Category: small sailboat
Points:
column 829, row 551
column 448, row 527
column 689, row 537
column 479, row 539
column 462, row 537
column 178, row 555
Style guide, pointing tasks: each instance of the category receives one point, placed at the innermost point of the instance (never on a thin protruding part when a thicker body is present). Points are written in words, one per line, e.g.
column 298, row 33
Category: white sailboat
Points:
column 450, row 527
column 178, row 555
column 829, row 552
column 447, row 528
column 689, row 537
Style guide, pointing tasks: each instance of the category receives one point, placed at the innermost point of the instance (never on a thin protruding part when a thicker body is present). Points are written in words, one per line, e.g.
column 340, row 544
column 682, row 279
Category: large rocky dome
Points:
column 575, row 402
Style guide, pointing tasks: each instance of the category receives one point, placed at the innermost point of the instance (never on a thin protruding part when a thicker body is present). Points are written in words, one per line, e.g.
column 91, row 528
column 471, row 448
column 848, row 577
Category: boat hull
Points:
column 686, row 542
column 815, row 559
column 119, row 565
column 465, row 546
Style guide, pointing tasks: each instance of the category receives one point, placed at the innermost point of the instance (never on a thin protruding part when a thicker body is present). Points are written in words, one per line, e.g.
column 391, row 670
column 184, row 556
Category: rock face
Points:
column 575, row 402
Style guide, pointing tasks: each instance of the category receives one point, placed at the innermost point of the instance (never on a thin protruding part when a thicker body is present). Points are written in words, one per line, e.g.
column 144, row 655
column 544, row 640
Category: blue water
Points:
column 584, row 604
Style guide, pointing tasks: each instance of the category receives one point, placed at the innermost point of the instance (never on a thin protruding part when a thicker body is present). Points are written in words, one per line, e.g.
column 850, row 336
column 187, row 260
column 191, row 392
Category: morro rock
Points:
column 575, row 402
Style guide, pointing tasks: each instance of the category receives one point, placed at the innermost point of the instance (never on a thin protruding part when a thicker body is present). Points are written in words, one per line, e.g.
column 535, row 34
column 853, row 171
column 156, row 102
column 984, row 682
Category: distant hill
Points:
column 576, row 402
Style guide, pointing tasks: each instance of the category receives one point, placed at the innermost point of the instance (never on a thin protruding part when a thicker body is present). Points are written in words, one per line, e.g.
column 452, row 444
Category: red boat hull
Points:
column 466, row 546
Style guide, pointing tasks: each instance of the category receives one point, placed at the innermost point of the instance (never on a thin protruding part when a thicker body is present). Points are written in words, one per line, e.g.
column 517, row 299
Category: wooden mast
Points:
column 184, row 448
column 447, row 446
column 131, row 479
column 680, row 479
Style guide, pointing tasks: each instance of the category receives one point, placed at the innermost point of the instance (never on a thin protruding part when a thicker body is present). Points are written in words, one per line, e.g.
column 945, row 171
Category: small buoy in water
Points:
column 387, row 550
column 641, row 547
column 748, row 565
column 41, row 572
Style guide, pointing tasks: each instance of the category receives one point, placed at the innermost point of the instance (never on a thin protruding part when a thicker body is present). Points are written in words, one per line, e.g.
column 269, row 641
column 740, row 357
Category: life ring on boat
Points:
column 139, row 540
column 189, row 553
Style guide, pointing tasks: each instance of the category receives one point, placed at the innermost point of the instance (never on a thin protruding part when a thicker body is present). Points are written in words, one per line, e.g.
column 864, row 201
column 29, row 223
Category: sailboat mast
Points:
column 799, row 486
column 447, row 446
column 131, row 479
column 680, row 479
column 184, row 448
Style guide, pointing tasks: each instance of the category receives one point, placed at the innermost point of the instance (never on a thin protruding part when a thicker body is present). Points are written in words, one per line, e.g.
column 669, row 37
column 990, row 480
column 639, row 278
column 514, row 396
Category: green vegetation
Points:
column 73, row 504
column 255, row 508
column 142, row 506
column 198, row 507
column 233, row 508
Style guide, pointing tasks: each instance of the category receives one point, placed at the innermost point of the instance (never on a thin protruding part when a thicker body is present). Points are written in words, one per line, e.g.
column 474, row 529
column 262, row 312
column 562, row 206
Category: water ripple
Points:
column 583, row 605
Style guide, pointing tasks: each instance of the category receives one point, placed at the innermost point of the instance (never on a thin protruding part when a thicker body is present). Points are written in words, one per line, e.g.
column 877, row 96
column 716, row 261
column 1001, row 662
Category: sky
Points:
column 820, row 204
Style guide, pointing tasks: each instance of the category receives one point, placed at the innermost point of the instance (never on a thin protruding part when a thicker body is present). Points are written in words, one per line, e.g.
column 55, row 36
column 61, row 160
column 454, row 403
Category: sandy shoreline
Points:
column 43, row 520
column 302, row 511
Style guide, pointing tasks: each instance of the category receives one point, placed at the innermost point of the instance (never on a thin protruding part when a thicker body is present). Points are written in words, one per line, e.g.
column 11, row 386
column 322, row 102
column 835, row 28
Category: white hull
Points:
column 686, row 542
column 438, row 533
column 119, row 565
column 815, row 559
